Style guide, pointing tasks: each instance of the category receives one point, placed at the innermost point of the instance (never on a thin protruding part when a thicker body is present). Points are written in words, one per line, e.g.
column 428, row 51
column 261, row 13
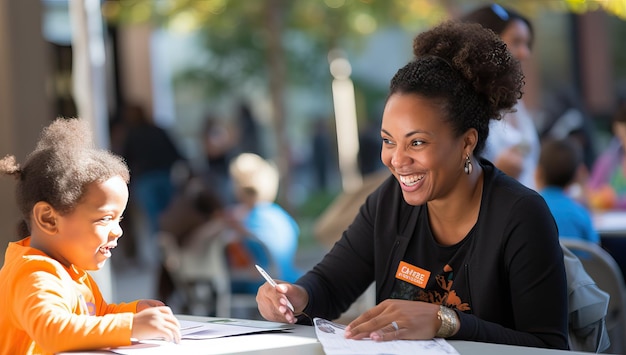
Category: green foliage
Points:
column 316, row 204
column 236, row 33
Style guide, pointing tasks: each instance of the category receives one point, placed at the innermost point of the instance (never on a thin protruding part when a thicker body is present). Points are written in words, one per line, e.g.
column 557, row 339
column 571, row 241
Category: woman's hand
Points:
column 156, row 323
column 414, row 320
column 143, row 304
column 272, row 301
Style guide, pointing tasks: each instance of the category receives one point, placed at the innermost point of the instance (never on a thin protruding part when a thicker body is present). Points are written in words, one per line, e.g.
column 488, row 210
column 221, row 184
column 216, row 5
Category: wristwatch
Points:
column 449, row 321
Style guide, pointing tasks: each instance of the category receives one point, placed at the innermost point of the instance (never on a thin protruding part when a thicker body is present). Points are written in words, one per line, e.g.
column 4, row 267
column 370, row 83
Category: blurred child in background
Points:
column 256, row 185
column 559, row 162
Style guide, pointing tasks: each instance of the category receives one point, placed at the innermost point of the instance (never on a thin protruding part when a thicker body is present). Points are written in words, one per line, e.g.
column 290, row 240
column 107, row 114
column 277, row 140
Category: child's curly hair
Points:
column 64, row 162
column 468, row 70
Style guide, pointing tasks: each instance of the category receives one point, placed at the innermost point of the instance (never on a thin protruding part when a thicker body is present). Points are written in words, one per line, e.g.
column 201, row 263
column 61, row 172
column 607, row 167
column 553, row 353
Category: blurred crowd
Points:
column 554, row 150
column 234, row 188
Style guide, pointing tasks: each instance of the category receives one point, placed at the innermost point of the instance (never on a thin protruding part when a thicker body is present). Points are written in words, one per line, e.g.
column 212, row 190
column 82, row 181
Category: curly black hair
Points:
column 64, row 162
column 468, row 70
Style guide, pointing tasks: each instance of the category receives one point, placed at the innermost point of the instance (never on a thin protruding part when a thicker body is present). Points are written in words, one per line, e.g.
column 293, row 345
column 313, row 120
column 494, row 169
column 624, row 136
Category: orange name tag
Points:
column 412, row 274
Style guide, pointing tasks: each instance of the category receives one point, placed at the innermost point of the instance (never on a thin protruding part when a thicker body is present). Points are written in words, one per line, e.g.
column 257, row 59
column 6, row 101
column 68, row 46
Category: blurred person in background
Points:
column 321, row 153
column 223, row 140
column 369, row 146
column 150, row 154
column 559, row 163
column 606, row 188
column 193, row 205
column 513, row 143
column 564, row 115
column 218, row 145
column 248, row 133
column 256, row 186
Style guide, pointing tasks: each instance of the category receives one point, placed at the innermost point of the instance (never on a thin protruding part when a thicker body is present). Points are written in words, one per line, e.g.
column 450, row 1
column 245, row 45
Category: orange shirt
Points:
column 48, row 308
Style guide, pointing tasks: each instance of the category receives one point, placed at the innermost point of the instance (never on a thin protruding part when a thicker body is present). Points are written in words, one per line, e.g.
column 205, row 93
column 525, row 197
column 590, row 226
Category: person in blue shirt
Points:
column 559, row 163
column 272, row 232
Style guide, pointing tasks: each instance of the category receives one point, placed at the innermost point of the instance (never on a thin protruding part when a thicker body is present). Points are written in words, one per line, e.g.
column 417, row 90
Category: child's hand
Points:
column 143, row 304
column 156, row 323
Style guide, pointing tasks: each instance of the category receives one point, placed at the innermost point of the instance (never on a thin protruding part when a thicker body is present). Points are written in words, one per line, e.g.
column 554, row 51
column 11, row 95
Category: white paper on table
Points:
column 254, row 323
column 221, row 328
column 193, row 330
column 331, row 335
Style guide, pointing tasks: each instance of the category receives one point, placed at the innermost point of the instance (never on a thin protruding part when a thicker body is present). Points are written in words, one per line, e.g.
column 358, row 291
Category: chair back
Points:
column 201, row 262
column 603, row 269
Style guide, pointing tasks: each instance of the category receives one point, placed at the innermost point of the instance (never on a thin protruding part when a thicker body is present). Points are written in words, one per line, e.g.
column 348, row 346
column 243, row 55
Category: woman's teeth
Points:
column 411, row 180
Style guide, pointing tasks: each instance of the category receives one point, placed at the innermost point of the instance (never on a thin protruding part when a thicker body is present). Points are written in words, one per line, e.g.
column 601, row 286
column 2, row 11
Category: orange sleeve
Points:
column 102, row 307
column 48, row 307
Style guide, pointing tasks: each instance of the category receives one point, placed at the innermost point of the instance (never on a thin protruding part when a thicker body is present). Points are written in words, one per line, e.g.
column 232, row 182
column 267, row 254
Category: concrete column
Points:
column 25, row 107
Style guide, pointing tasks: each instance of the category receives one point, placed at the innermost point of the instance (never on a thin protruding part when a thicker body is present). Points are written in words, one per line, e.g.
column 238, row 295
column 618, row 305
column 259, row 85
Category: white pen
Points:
column 271, row 281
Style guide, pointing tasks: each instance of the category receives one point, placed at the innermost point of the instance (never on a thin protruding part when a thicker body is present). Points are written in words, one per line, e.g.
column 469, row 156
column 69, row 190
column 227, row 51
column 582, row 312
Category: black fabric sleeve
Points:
column 346, row 271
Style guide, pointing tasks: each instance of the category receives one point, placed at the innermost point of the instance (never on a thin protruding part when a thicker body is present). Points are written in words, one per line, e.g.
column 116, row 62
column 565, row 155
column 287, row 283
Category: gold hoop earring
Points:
column 468, row 165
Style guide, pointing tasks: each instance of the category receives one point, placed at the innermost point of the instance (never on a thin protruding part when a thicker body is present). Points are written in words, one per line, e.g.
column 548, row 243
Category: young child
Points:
column 559, row 163
column 71, row 196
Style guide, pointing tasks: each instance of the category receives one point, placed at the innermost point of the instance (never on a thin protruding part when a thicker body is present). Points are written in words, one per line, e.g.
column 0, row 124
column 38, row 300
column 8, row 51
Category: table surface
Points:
column 610, row 223
column 303, row 341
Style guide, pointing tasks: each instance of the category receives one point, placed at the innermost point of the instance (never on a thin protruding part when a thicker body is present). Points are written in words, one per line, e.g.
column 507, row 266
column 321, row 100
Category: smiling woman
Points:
column 72, row 197
column 456, row 248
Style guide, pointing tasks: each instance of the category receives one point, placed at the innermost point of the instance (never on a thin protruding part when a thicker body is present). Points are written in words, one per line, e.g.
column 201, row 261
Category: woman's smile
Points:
column 410, row 180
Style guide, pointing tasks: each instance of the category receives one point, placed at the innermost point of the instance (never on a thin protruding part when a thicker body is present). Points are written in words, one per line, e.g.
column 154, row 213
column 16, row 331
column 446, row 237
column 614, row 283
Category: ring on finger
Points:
column 395, row 327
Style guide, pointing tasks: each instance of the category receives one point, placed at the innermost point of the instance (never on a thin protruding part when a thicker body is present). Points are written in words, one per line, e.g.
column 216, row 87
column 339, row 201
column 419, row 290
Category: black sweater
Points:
column 512, row 274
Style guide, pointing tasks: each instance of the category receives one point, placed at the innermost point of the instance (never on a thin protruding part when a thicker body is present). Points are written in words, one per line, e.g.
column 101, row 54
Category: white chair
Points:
column 601, row 266
column 201, row 272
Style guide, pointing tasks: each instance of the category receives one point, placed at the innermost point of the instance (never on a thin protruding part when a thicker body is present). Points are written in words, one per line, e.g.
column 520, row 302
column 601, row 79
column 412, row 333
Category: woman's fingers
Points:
column 370, row 320
column 273, row 304
column 395, row 319
column 390, row 332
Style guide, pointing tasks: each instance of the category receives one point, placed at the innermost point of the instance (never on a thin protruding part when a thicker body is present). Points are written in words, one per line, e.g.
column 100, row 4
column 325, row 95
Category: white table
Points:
column 303, row 341
column 610, row 223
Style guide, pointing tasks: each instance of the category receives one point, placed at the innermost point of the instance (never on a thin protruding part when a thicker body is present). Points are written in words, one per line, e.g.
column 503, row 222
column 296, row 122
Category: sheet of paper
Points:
column 259, row 324
column 221, row 328
column 152, row 347
column 331, row 335
column 226, row 345
column 193, row 330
